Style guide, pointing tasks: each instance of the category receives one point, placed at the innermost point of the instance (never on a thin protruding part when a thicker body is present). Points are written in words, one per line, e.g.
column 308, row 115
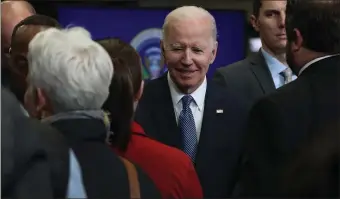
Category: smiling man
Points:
column 265, row 71
column 185, row 110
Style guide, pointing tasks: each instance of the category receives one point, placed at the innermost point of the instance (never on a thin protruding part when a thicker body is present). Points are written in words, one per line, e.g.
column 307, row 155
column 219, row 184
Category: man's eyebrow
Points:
column 176, row 44
column 272, row 10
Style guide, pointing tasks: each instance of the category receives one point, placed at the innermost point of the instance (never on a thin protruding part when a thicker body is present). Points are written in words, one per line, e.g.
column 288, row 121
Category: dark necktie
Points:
column 188, row 128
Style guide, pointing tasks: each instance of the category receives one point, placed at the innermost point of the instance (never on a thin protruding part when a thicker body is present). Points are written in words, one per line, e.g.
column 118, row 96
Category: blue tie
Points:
column 188, row 128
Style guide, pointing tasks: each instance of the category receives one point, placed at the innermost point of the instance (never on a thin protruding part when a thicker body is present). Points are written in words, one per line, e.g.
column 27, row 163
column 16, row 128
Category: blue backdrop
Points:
column 142, row 28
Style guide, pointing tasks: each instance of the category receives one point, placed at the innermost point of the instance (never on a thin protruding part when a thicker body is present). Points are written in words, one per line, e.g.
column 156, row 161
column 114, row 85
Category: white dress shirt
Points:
column 313, row 61
column 197, row 107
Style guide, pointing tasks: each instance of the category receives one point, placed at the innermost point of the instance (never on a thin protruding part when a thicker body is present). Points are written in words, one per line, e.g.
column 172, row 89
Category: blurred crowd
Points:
column 78, row 121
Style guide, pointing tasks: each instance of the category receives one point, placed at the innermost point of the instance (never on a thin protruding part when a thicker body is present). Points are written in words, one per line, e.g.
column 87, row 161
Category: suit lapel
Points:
column 164, row 115
column 260, row 69
column 211, row 106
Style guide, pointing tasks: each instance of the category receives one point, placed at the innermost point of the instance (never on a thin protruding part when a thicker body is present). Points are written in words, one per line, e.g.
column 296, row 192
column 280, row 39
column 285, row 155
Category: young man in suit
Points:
column 184, row 110
column 263, row 72
column 281, row 121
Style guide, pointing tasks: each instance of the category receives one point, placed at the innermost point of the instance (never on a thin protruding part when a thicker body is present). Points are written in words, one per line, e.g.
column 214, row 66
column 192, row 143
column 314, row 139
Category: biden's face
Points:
column 189, row 48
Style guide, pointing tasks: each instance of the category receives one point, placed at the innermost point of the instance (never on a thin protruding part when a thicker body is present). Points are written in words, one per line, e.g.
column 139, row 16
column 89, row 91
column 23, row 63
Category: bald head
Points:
column 12, row 12
column 192, row 13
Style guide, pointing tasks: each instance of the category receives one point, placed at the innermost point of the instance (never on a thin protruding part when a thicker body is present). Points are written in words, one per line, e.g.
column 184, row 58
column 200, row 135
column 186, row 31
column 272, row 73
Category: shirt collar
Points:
column 198, row 94
column 274, row 65
column 315, row 60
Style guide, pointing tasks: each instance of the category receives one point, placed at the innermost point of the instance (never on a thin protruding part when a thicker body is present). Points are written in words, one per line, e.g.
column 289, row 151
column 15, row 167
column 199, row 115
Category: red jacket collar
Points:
column 136, row 128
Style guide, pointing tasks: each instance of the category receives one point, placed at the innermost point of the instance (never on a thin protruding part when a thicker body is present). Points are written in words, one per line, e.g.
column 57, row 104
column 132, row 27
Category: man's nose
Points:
column 187, row 58
column 282, row 20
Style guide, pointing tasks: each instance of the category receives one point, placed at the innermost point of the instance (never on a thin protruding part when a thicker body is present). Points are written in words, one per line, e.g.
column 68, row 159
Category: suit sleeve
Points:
column 260, row 168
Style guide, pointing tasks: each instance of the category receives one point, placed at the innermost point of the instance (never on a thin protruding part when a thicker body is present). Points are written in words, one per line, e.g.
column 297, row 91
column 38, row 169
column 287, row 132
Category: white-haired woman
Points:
column 69, row 77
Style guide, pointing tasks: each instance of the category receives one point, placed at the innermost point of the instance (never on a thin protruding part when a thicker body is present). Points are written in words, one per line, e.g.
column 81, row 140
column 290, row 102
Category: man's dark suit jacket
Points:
column 278, row 124
column 34, row 157
column 250, row 79
column 218, row 157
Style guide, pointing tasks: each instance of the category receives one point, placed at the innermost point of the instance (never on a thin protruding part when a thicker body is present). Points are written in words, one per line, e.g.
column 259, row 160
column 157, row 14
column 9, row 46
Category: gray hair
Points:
column 73, row 70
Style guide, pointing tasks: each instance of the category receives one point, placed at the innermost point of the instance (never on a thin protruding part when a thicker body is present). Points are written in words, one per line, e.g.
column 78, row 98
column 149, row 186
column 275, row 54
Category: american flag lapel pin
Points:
column 219, row 111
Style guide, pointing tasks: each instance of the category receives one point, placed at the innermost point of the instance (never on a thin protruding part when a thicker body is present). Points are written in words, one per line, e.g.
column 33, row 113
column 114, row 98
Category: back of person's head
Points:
column 68, row 71
column 318, row 22
column 314, row 169
column 125, row 89
column 12, row 12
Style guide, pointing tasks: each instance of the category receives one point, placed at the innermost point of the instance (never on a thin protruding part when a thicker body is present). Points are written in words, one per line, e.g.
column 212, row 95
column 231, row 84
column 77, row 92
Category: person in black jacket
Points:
column 33, row 155
column 281, row 121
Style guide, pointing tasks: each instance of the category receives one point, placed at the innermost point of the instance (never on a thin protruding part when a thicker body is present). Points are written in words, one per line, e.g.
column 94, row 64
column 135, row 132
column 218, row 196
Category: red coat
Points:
column 170, row 169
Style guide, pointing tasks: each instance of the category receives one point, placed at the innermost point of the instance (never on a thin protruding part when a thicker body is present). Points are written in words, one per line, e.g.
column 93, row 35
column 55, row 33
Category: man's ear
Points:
column 162, row 45
column 214, row 52
column 297, row 40
column 162, row 48
column 44, row 106
column 40, row 100
column 254, row 23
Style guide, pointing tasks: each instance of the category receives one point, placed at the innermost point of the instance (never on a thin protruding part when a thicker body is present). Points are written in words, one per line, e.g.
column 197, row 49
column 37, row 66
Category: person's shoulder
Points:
column 289, row 92
column 282, row 98
column 228, row 97
column 149, row 84
column 154, row 86
column 235, row 67
column 162, row 154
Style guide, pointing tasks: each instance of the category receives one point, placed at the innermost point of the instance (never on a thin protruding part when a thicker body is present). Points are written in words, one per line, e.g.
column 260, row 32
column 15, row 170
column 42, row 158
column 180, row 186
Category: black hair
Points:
column 318, row 22
column 38, row 20
column 256, row 7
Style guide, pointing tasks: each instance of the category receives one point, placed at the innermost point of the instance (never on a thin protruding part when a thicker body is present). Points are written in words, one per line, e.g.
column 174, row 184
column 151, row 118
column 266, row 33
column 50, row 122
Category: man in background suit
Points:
column 263, row 72
column 280, row 122
column 184, row 110
column 12, row 12
column 33, row 156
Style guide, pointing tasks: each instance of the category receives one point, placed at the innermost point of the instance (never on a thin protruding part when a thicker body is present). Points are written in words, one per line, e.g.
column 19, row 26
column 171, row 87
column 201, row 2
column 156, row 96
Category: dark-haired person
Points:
column 281, row 120
column 263, row 72
column 12, row 12
column 22, row 34
column 170, row 169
